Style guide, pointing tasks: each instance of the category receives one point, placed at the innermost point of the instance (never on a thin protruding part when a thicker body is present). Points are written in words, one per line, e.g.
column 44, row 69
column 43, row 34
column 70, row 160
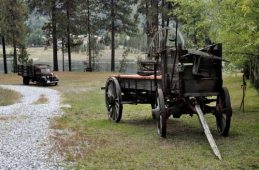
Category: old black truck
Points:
column 40, row 74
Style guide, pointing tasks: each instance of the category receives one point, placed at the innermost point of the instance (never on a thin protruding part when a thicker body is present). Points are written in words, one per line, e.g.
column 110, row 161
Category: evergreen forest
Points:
column 59, row 24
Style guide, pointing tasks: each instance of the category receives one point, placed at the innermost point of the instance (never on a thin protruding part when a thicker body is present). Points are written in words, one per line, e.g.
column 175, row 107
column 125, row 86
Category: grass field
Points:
column 8, row 97
column 39, row 54
column 90, row 141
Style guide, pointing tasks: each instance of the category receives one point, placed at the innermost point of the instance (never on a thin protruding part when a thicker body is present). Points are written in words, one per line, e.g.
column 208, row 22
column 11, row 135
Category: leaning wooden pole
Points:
column 207, row 131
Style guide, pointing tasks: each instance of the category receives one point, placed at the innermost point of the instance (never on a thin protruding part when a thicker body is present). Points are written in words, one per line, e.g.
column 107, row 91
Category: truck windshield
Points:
column 45, row 70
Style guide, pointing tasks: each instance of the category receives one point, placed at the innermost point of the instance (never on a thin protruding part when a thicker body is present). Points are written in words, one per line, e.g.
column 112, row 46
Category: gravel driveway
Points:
column 24, row 130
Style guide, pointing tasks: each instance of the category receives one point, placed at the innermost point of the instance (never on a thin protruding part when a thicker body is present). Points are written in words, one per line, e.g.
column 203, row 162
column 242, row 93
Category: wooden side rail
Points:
column 136, row 76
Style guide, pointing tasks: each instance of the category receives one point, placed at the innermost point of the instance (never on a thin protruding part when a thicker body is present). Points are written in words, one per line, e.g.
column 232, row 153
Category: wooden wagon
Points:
column 178, row 81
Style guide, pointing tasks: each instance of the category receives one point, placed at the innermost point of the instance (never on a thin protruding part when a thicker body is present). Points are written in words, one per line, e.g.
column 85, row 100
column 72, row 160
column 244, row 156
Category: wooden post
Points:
column 243, row 86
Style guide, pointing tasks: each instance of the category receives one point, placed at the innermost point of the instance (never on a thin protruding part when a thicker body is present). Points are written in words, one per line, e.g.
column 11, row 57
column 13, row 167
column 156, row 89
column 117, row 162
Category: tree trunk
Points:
column 54, row 36
column 14, row 55
column 113, row 39
column 147, row 25
column 63, row 55
column 4, row 55
column 154, row 18
column 89, row 36
column 163, row 14
column 68, row 37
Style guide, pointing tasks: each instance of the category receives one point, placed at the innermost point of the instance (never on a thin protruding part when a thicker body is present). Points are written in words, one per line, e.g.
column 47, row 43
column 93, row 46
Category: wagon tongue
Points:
column 207, row 131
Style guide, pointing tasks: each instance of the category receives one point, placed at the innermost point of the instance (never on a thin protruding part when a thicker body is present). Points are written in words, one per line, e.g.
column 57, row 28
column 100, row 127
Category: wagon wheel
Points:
column 223, row 112
column 161, row 117
column 113, row 99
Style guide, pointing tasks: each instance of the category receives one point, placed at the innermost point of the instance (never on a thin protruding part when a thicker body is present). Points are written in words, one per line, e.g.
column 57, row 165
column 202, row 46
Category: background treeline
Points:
column 235, row 23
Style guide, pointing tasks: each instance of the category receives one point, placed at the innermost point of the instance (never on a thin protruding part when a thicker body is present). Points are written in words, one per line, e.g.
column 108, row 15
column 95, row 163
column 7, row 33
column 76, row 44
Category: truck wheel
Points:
column 26, row 80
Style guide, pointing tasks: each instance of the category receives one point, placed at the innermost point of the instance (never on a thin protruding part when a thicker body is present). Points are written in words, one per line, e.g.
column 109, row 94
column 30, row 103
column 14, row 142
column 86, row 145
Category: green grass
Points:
column 96, row 143
column 8, row 97
column 90, row 141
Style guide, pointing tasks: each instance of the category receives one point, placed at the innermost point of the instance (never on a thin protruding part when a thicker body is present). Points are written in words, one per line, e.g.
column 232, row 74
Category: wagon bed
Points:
column 137, row 82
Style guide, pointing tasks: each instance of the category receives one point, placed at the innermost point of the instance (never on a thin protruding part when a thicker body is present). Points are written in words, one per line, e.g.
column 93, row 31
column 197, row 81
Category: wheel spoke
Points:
column 109, row 108
column 110, row 90
column 114, row 92
column 114, row 113
column 223, row 121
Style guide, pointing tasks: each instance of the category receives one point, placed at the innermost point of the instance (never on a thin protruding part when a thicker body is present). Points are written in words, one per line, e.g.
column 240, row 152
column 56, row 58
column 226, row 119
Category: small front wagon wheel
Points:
column 113, row 99
column 223, row 112
column 161, row 116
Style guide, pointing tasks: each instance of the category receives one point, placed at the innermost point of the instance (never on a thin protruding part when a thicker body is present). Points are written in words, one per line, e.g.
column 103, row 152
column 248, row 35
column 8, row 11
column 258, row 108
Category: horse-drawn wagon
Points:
column 176, row 81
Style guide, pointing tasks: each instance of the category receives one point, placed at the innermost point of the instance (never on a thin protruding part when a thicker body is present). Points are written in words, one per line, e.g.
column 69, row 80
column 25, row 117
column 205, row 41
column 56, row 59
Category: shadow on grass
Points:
column 179, row 129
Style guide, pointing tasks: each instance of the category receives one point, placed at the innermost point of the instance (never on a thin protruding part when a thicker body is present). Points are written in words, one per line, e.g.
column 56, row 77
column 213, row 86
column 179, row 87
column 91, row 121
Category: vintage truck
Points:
column 41, row 74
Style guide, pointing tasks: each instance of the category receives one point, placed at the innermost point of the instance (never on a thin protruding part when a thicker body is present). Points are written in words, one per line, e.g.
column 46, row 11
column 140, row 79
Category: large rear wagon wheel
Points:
column 161, row 117
column 113, row 99
column 223, row 112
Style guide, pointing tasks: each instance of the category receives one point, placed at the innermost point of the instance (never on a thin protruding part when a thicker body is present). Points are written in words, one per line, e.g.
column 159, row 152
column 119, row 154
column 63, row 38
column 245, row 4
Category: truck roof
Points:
column 41, row 65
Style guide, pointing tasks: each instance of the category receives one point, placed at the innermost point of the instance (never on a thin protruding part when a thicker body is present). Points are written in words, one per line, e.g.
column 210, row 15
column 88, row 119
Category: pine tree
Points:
column 69, row 13
column 13, row 28
column 156, row 15
column 2, row 36
column 117, row 19
column 50, row 8
column 23, row 57
column 4, row 55
column 89, row 16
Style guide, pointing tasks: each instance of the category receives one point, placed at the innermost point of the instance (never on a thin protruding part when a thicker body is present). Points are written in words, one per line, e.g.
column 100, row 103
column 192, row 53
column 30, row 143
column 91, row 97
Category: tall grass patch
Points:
column 8, row 97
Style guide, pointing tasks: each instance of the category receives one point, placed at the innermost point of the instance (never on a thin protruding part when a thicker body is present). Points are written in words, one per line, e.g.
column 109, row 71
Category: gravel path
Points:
column 24, row 130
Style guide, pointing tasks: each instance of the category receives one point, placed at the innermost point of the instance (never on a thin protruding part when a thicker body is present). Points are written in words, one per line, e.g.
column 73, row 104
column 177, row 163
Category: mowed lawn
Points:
column 88, row 140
